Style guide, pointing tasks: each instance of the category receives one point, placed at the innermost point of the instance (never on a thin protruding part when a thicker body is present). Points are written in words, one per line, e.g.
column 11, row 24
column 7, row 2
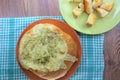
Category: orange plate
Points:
column 66, row 28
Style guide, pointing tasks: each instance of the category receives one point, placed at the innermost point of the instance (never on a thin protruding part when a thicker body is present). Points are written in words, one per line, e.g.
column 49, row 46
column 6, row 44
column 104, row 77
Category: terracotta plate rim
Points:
column 65, row 27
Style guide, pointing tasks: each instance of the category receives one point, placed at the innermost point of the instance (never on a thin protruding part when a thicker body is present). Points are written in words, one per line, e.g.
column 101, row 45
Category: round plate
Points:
column 66, row 29
column 102, row 24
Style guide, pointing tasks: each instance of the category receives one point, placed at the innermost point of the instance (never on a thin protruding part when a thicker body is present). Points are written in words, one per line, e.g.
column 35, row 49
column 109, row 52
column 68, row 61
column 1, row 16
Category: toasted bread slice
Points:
column 91, row 19
column 88, row 6
column 102, row 13
column 107, row 6
column 97, row 3
column 72, row 50
column 75, row 0
column 78, row 10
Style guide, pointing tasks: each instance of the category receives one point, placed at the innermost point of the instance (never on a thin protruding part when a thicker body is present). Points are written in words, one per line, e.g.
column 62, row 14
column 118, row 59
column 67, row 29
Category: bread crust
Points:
column 88, row 6
column 91, row 19
column 107, row 6
column 77, row 11
column 97, row 3
column 72, row 50
column 102, row 12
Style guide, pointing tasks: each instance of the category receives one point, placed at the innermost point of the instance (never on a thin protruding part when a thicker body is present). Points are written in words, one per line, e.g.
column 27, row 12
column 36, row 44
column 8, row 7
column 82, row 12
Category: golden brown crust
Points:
column 88, row 6
column 102, row 12
column 97, row 3
column 91, row 19
column 72, row 50
column 107, row 6
column 77, row 11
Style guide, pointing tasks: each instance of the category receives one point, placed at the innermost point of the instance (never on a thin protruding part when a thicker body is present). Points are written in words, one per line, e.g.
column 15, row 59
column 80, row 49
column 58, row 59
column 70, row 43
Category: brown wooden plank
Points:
column 18, row 8
column 112, row 54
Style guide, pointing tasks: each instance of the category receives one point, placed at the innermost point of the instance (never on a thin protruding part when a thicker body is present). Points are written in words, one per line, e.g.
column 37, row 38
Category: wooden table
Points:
column 23, row 8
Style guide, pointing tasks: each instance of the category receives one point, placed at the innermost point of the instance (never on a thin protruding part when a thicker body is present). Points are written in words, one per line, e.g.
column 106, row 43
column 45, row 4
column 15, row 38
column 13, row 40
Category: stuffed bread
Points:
column 47, row 51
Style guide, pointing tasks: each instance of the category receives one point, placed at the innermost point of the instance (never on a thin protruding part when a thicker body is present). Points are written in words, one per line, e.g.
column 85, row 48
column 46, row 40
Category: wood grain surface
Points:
column 23, row 8
column 18, row 8
column 112, row 54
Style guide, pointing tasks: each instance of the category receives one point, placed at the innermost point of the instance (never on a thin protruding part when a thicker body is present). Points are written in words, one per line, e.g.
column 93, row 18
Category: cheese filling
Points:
column 44, row 50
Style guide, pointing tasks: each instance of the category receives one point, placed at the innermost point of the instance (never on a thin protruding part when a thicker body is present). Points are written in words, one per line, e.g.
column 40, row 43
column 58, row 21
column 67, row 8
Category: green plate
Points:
column 102, row 24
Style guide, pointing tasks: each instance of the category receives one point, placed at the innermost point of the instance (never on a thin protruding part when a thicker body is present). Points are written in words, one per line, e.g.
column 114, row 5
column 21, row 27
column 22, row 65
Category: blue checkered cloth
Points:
column 90, row 68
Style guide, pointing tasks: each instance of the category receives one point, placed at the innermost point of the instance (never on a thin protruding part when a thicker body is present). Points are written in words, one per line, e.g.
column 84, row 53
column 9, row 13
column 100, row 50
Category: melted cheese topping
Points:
column 43, row 49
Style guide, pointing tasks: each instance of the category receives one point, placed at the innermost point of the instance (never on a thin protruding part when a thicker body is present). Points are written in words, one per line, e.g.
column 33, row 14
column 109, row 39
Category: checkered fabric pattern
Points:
column 90, row 68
